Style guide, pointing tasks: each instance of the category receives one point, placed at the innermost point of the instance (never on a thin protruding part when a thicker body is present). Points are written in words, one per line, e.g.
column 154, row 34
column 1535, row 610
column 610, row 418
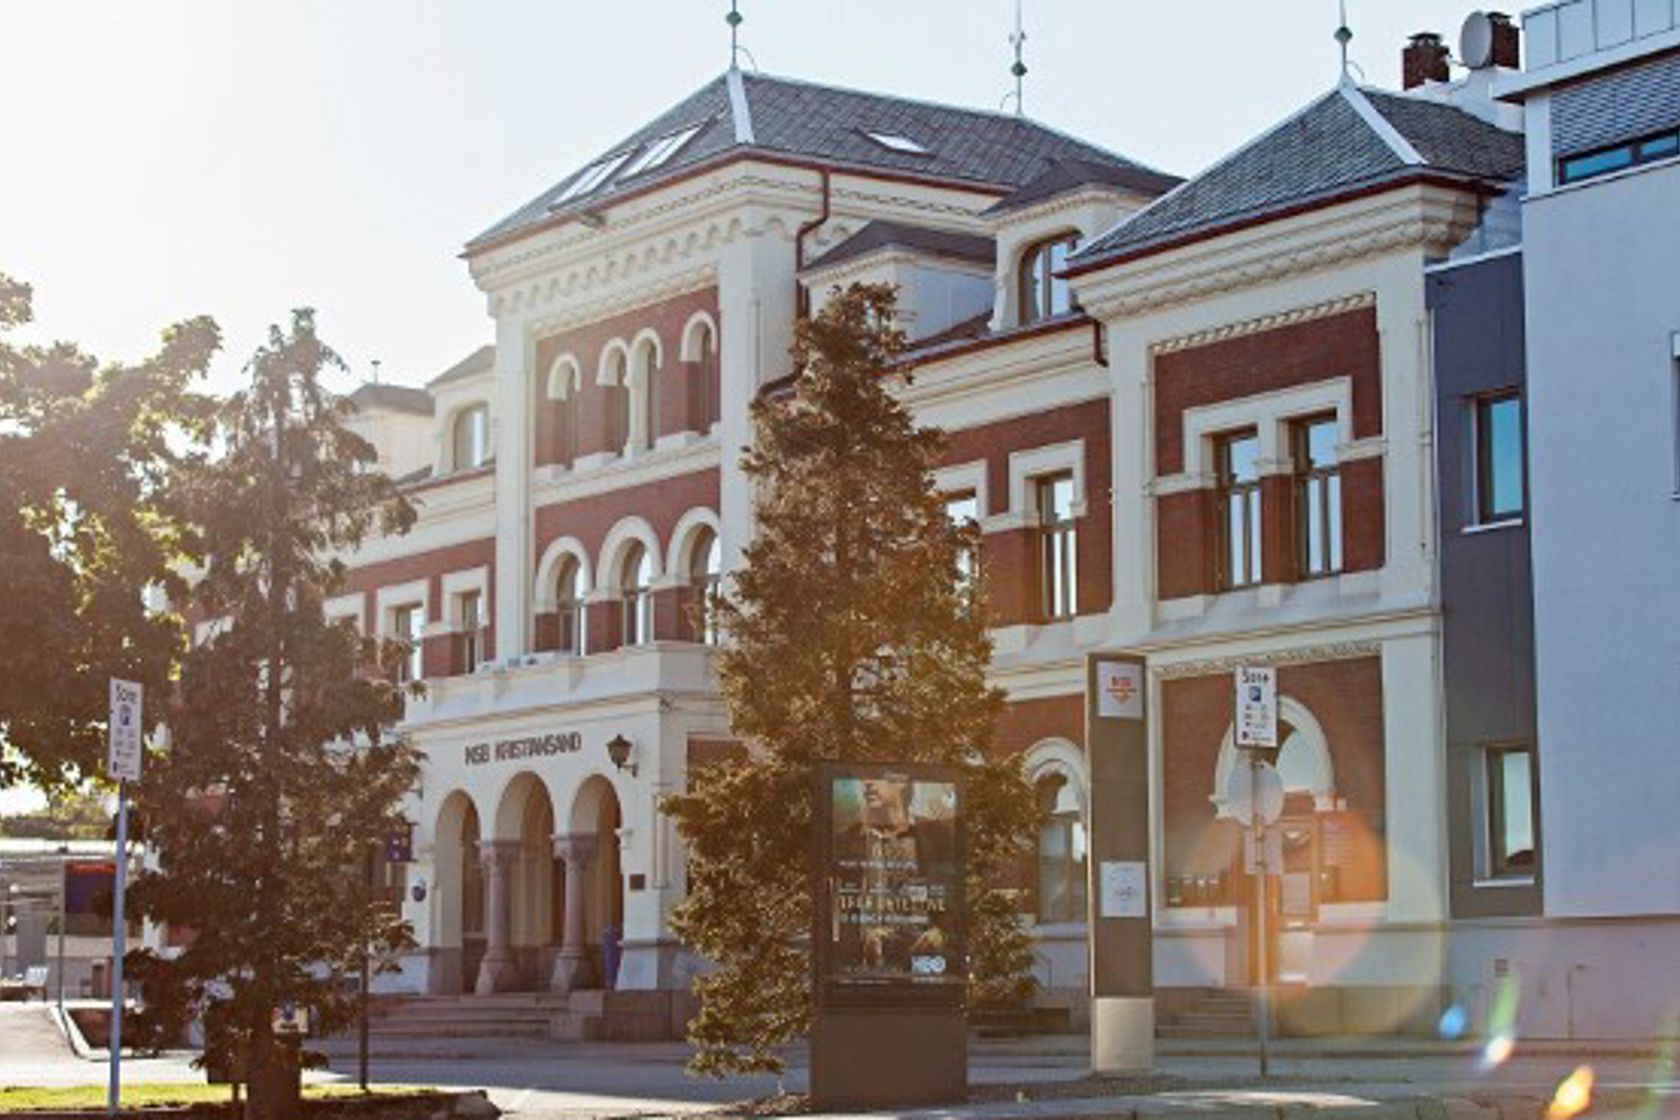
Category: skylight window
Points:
column 591, row 179
column 894, row 142
column 659, row 151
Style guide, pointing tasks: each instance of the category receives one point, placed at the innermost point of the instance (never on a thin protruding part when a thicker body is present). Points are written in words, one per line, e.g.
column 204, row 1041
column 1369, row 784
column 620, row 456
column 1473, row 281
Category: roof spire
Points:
column 733, row 19
column 1018, row 40
column 1344, row 36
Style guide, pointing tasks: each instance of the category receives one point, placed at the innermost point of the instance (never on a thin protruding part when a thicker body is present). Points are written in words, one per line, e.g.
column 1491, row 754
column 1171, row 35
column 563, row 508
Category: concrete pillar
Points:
column 497, row 972
column 515, row 354
column 571, row 968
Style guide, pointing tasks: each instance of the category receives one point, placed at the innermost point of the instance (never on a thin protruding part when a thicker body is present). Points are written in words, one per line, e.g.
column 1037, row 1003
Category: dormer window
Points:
column 590, row 179
column 659, row 151
column 469, row 439
column 896, row 142
column 1043, row 293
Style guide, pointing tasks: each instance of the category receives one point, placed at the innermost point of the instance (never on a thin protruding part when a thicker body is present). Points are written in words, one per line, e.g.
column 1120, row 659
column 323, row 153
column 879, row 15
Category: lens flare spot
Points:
column 1573, row 1096
column 1498, row 1049
column 1453, row 1022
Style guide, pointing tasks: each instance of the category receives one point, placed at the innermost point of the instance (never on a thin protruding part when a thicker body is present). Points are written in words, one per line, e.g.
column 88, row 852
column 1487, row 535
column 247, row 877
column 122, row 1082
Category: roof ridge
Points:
column 1381, row 125
column 740, row 110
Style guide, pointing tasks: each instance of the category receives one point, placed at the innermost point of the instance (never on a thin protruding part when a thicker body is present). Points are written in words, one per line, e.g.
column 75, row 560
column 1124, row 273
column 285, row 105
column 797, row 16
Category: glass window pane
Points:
column 1500, row 458
column 1333, row 519
column 1242, row 459
column 1510, row 812
column 1321, row 444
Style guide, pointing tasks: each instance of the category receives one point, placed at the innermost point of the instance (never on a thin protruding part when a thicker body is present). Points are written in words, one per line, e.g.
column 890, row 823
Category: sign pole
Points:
column 119, row 933
column 125, row 751
column 1263, row 1009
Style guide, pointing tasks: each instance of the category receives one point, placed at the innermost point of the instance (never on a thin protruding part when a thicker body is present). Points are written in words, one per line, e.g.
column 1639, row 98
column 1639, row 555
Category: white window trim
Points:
column 565, row 375
column 458, row 584
column 960, row 478
column 646, row 342
column 489, row 449
column 689, row 350
column 388, row 599
column 1270, row 415
column 609, row 568
column 544, row 598
column 682, row 542
column 352, row 606
column 1025, row 468
column 1473, row 500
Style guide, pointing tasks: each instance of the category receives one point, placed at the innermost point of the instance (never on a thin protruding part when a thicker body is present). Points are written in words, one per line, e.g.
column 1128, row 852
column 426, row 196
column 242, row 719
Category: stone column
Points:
column 498, row 971
column 572, row 968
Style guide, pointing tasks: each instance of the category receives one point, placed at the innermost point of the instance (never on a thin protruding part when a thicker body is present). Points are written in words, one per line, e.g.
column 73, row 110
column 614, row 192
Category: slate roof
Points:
column 1349, row 139
column 1068, row 175
column 397, row 398
column 896, row 235
column 479, row 361
column 774, row 116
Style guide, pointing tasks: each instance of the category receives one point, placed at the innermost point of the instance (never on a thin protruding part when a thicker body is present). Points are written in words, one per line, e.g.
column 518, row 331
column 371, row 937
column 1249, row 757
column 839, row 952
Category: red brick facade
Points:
column 1010, row 559
column 1202, row 855
column 688, row 393
column 441, row 653
column 1187, row 523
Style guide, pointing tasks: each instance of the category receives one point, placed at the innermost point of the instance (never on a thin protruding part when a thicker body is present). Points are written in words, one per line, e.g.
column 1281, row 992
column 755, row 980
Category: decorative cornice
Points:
column 1227, row 331
column 1426, row 218
column 614, row 301
column 1335, row 651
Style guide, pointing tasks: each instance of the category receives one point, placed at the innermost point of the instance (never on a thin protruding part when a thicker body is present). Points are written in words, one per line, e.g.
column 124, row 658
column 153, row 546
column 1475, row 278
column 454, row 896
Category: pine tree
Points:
column 852, row 635
column 280, row 773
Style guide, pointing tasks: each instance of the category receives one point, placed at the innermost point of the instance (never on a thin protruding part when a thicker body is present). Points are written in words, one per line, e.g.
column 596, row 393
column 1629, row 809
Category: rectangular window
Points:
column 1238, row 457
column 1588, row 165
column 1510, row 812
column 470, row 618
column 1058, row 546
column 408, row 624
column 1318, row 497
column 963, row 509
column 1499, row 458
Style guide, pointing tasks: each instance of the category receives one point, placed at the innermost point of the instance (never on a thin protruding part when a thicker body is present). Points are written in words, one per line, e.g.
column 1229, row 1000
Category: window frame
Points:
column 1035, row 276
column 1058, row 547
column 636, row 597
column 1071, row 867
column 1496, row 865
column 1651, row 148
column 1230, row 490
column 470, row 630
column 1483, row 502
column 706, row 581
column 411, row 666
column 477, row 416
column 570, row 608
column 1320, row 486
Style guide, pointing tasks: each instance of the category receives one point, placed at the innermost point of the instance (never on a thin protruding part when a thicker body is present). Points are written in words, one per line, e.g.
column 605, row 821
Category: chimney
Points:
column 1507, row 41
column 1424, row 60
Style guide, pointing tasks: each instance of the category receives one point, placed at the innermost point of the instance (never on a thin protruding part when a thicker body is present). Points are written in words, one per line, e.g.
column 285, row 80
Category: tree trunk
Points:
column 276, row 1085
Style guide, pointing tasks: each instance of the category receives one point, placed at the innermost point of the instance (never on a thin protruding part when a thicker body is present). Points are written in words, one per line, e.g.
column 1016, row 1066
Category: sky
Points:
column 162, row 159
column 169, row 158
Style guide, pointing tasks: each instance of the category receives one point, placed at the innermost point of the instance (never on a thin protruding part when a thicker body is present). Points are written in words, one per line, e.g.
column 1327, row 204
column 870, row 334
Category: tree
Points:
column 852, row 636
column 280, row 773
column 72, row 814
column 89, row 519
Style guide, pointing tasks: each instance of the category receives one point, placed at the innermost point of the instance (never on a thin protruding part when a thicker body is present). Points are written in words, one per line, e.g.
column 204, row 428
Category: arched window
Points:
column 636, row 578
column 1061, row 851
column 704, row 401
column 568, row 606
column 652, row 386
column 705, row 577
column 469, row 438
column 1043, row 294
column 564, row 392
column 618, row 405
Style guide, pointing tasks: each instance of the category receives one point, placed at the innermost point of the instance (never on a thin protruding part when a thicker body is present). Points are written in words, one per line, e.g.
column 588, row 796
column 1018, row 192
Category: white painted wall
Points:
column 1603, row 305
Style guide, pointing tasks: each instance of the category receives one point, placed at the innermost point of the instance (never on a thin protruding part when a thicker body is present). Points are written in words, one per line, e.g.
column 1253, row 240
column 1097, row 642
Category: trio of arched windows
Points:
column 635, row 615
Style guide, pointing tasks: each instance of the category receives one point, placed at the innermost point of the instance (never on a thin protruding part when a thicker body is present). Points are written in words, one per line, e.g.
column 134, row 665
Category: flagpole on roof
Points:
column 1018, row 40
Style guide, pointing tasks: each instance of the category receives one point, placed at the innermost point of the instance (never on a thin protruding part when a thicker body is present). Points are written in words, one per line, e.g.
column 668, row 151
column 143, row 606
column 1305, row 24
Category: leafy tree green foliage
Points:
column 280, row 774
column 851, row 637
column 88, row 521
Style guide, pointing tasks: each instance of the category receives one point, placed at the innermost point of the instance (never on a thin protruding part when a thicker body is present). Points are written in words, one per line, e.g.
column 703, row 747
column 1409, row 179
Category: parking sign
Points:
column 1256, row 706
column 124, row 747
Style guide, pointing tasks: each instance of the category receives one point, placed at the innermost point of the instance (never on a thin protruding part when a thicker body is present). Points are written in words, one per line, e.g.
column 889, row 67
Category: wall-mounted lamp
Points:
column 618, row 749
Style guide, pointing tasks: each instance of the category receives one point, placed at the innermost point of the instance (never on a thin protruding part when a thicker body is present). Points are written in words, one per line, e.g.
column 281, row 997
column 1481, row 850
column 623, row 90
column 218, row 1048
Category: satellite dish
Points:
column 1475, row 41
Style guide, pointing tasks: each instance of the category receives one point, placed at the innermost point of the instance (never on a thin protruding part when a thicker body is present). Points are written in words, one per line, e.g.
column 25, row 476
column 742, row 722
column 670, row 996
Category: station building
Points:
column 1200, row 421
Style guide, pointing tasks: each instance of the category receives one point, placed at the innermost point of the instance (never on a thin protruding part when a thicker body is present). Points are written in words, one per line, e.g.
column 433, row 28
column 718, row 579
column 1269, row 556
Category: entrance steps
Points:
column 1216, row 1013
column 515, row 1015
column 582, row 1016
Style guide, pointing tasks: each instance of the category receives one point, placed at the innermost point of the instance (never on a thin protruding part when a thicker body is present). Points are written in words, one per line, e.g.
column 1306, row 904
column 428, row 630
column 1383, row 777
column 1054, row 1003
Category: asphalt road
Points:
column 569, row 1081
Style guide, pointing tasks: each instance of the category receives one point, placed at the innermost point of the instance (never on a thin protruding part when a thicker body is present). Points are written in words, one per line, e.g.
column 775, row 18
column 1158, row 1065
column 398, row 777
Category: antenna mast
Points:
column 376, row 364
column 1344, row 36
column 733, row 19
column 1018, row 40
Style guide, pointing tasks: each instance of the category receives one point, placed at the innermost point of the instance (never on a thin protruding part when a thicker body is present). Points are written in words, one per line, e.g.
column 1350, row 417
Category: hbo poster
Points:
column 891, row 908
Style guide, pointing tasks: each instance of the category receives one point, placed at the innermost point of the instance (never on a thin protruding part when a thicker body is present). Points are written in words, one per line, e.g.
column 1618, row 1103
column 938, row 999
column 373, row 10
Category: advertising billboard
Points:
column 891, row 909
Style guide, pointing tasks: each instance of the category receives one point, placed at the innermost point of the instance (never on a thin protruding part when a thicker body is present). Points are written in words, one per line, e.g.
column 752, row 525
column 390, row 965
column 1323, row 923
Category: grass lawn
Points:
column 152, row 1096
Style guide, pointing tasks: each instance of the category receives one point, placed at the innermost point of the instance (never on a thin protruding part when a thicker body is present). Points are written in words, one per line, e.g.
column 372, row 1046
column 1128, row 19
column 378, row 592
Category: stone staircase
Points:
column 583, row 1016
column 1216, row 1013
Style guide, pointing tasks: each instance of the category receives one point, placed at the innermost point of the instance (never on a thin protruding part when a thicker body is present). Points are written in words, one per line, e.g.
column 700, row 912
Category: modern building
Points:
column 1597, row 916
column 1274, row 415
